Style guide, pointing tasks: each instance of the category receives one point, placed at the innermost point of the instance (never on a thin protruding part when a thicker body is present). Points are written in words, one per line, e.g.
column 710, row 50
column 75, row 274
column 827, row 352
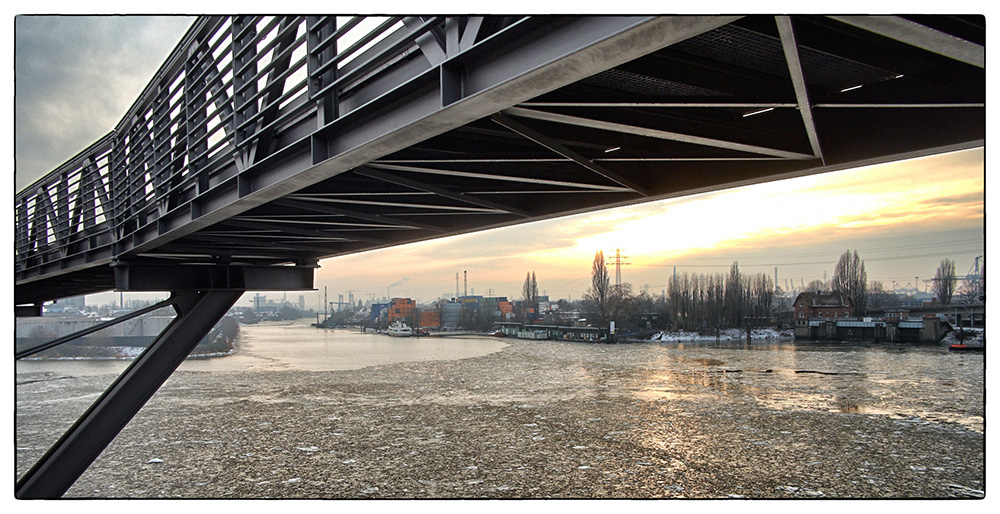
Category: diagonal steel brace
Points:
column 72, row 454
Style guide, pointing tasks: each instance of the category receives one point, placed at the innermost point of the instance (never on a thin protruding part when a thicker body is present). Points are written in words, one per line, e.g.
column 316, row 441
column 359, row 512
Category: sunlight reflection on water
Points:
column 900, row 382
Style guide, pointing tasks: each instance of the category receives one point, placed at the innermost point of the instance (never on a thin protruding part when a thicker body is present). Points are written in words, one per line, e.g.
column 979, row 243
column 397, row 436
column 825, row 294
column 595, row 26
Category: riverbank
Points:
column 969, row 336
column 546, row 419
column 729, row 334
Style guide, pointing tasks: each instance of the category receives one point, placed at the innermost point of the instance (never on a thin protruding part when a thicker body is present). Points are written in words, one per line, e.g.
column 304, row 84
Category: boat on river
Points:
column 967, row 348
column 400, row 329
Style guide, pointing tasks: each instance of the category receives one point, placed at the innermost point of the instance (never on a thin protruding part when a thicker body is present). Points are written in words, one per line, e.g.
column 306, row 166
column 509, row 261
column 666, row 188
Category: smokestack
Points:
column 465, row 277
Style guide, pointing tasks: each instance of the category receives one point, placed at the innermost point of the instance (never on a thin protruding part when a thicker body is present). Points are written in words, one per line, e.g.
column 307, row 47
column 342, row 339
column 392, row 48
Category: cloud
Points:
column 75, row 76
column 962, row 200
column 399, row 282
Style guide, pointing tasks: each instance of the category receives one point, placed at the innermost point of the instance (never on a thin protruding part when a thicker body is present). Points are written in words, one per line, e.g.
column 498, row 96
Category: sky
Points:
column 76, row 76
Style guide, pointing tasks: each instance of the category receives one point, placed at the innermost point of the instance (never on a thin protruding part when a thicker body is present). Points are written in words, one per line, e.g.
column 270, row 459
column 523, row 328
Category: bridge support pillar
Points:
column 69, row 457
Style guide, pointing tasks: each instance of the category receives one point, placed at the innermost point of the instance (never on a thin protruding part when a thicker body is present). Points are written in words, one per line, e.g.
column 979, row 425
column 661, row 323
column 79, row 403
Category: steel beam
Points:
column 96, row 328
column 920, row 36
column 72, row 454
column 504, row 178
column 378, row 218
column 420, row 208
column 654, row 133
column 291, row 231
column 413, row 112
column 428, row 44
column 440, row 191
column 791, row 50
column 27, row 311
column 547, row 142
column 663, row 105
column 202, row 277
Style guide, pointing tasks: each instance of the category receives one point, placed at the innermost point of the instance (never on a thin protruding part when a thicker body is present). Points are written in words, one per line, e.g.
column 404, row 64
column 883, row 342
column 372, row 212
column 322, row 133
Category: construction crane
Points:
column 340, row 303
column 972, row 276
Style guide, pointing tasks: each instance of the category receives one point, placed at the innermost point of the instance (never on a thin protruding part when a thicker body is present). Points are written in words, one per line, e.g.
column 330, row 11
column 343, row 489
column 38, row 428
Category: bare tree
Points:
column 697, row 312
column 675, row 302
column 600, row 286
column 880, row 299
column 762, row 296
column 850, row 278
column 816, row 286
column 529, row 297
column 734, row 297
column 945, row 281
column 620, row 299
column 716, row 302
column 973, row 290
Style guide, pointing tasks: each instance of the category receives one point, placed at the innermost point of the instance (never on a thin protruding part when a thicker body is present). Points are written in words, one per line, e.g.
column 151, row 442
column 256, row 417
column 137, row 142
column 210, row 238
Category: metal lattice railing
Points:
column 218, row 106
column 68, row 212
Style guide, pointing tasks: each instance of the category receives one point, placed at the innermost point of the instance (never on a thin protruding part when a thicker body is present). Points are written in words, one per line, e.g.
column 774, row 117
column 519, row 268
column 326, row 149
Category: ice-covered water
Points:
column 303, row 412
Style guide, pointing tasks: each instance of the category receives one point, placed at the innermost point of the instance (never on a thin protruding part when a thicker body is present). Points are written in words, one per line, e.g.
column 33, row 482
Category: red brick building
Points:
column 833, row 305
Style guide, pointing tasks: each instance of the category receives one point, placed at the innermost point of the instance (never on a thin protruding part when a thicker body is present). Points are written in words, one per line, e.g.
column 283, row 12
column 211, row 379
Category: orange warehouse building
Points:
column 429, row 318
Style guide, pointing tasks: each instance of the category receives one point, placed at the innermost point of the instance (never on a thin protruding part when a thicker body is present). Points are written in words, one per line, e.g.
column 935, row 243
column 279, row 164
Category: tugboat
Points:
column 400, row 329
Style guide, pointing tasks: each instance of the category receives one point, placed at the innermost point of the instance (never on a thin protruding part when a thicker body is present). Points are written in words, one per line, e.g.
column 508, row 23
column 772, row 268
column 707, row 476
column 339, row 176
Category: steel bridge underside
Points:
column 476, row 126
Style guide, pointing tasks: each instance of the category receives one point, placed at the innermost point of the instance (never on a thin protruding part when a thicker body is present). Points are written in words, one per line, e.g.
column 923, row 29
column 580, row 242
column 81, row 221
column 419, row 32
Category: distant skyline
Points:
column 903, row 218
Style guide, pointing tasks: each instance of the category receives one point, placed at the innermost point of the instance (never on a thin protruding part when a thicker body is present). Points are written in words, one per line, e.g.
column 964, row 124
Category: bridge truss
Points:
column 284, row 140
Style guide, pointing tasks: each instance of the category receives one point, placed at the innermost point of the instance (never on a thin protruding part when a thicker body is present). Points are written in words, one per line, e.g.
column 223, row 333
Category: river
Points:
column 300, row 412
column 297, row 345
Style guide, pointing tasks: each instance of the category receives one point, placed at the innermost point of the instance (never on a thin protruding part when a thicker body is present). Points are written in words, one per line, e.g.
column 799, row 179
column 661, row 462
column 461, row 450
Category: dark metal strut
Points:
column 96, row 328
column 69, row 457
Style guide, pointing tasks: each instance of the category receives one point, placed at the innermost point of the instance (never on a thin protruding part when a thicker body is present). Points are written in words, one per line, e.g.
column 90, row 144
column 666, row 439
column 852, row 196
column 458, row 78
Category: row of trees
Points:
column 738, row 300
column 717, row 301
column 849, row 277
column 694, row 301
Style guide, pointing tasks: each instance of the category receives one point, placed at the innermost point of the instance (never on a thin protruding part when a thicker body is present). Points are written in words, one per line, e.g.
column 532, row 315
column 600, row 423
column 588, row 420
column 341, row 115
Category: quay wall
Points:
column 134, row 333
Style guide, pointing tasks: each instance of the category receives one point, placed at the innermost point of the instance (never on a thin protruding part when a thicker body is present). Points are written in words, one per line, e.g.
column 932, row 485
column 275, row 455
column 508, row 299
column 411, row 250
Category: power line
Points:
column 860, row 250
column 873, row 259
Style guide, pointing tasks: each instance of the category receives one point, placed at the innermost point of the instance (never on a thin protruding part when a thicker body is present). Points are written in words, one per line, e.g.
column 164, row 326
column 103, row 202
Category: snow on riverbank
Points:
column 973, row 336
column 731, row 334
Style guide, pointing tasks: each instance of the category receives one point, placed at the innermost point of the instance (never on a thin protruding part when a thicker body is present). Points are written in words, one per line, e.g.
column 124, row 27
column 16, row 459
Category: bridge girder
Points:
column 446, row 125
